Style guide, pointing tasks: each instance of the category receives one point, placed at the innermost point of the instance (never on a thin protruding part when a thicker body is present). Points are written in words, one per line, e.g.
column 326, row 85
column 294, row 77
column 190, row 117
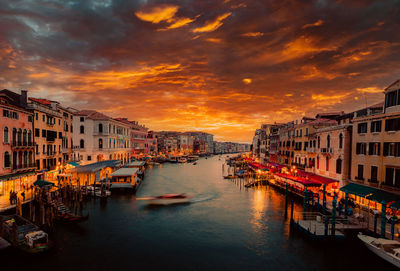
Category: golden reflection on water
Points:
column 259, row 204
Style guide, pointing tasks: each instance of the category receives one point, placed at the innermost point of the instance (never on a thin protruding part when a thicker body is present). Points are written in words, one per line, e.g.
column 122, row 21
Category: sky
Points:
column 219, row 66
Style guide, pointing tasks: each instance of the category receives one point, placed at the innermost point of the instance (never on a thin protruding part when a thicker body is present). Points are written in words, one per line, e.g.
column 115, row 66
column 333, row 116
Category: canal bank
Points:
column 227, row 227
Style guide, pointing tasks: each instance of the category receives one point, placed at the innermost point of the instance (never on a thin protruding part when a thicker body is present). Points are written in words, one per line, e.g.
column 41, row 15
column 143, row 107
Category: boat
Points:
column 26, row 235
column 388, row 250
column 182, row 160
column 64, row 214
column 192, row 158
column 195, row 163
column 98, row 191
column 169, row 199
column 230, row 176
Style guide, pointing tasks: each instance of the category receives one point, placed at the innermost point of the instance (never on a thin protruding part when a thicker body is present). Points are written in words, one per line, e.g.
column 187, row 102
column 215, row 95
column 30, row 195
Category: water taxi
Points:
column 388, row 250
column 169, row 199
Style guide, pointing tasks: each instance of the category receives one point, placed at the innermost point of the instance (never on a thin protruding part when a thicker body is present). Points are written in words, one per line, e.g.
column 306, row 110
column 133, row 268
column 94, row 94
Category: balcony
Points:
column 326, row 150
column 311, row 150
column 24, row 166
column 21, row 144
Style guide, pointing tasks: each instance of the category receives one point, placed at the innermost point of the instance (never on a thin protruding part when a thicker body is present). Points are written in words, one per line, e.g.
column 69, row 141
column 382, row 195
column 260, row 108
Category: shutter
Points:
column 385, row 148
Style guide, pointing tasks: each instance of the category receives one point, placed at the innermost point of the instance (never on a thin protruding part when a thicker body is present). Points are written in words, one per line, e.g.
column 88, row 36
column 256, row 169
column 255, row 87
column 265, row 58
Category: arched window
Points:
column 319, row 142
column 7, row 162
column 82, row 144
column 100, row 143
column 14, row 136
column 339, row 166
column 340, row 141
column 30, row 137
column 5, row 136
column 15, row 159
column 19, row 137
column 328, row 141
column 327, row 163
column 100, row 128
column 24, row 137
column 25, row 158
column 82, row 129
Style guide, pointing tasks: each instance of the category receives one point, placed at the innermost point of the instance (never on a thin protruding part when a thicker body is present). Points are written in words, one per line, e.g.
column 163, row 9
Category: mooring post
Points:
column 291, row 211
column 326, row 225
column 305, row 201
column 346, row 204
column 392, row 228
column 324, row 199
column 333, row 216
column 286, row 198
column 383, row 219
column 375, row 224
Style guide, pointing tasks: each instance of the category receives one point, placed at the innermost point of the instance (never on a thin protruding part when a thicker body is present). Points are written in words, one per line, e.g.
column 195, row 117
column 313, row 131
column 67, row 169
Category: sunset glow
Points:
column 223, row 67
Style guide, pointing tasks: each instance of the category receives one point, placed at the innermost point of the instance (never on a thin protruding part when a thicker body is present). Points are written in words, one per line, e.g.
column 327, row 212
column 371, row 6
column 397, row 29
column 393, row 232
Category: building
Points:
column 17, row 151
column 97, row 137
column 185, row 143
column 151, row 143
column 48, row 136
column 139, row 140
column 67, row 133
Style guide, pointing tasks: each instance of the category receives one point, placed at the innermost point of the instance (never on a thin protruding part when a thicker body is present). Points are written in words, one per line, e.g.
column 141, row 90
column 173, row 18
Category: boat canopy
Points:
column 135, row 164
column 94, row 167
column 124, row 172
column 42, row 183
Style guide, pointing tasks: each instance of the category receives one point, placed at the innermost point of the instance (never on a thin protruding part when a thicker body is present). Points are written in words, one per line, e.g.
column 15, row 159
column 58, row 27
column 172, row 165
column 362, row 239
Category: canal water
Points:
column 226, row 227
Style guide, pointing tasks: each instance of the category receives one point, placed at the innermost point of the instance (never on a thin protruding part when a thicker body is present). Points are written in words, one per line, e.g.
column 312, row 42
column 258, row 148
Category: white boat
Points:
column 169, row 199
column 388, row 250
column 182, row 160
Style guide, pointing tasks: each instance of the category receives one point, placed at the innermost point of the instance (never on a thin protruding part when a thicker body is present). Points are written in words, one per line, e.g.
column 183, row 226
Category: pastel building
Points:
column 97, row 137
column 17, row 166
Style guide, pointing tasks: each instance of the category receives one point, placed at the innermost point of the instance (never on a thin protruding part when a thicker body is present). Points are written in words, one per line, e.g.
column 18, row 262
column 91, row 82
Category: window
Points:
column 30, row 118
column 360, row 172
column 392, row 177
column 100, row 143
column 60, row 135
column 44, row 133
column 306, row 131
column 5, row 136
column 36, row 116
column 374, row 148
column 391, row 149
column 82, row 144
column 319, row 142
column 89, row 158
column 82, row 129
column 59, row 122
column 317, row 162
column 327, row 163
column 392, row 124
column 44, row 118
column 376, row 126
column 37, row 132
column 44, row 149
column 361, row 148
column 391, row 99
column 374, row 174
column 100, row 128
column 362, row 128
column 339, row 166
column 7, row 160
column 340, row 141
column 328, row 141
column 82, row 119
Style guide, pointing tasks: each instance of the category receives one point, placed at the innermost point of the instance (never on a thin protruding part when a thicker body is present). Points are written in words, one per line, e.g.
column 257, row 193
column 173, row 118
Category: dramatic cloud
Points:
column 222, row 66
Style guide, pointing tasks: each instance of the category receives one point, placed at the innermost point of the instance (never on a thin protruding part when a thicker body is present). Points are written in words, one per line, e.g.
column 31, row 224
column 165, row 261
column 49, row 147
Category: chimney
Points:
column 23, row 98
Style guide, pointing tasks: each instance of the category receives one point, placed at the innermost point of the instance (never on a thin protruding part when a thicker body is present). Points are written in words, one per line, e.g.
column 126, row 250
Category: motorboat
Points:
column 169, row 199
column 195, row 163
column 182, row 160
column 230, row 176
column 388, row 250
column 28, row 236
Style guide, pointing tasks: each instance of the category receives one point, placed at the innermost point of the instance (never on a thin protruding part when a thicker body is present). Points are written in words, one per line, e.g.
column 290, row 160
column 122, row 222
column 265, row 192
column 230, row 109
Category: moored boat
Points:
column 388, row 250
column 24, row 234
column 169, row 199
column 230, row 176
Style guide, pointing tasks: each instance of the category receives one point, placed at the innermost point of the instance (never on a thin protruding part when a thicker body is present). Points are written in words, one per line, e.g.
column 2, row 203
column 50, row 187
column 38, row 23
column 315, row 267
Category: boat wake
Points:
column 203, row 198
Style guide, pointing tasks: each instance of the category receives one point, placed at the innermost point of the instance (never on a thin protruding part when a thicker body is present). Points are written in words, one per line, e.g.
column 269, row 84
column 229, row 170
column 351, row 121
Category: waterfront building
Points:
column 139, row 142
column 17, row 166
column 151, row 143
column 67, row 132
column 274, row 144
column 259, row 136
column 48, row 136
column 185, row 143
column 286, row 146
column 329, row 149
column 97, row 137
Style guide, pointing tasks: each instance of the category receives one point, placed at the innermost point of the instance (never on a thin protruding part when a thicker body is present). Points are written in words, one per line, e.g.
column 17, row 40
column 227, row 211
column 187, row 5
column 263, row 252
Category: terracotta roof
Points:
column 397, row 81
column 42, row 101
column 92, row 114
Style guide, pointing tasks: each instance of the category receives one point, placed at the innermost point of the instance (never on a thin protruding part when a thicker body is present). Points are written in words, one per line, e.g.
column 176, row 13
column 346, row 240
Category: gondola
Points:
column 65, row 215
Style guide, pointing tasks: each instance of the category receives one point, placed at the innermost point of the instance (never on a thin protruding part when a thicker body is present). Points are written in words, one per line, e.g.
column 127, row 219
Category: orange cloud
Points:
column 303, row 46
column 247, row 81
column 317, row 23
column 158, row 14
column 211, row 26
column 253, row 34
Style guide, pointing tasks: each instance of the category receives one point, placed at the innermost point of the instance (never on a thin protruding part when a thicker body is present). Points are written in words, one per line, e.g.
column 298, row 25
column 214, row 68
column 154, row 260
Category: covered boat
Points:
column 388, row 250
column 169, row 199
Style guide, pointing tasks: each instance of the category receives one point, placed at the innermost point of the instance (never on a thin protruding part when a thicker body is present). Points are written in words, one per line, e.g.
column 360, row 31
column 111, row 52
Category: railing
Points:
column 24, row 166
column 311, row 149
column 326, row 150
column 22, row 144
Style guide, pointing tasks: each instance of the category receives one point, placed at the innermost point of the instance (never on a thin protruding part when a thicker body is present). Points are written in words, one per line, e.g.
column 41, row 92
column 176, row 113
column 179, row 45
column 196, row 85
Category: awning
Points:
column 42, row 183
column 395, row 205
column 75, row 164
column 124, row 172
column 370, row 193
column 135, row 164
column 14, row 176
column 96, row 166
column 358, row 190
